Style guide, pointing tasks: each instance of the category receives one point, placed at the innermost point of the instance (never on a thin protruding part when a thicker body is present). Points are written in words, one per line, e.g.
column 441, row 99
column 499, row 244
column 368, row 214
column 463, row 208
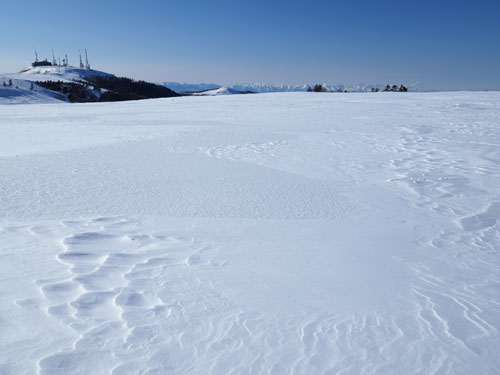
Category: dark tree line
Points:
column 74, row 91
column 395, row 88
column 120, row 88
column 316, row 88
column 110, row 89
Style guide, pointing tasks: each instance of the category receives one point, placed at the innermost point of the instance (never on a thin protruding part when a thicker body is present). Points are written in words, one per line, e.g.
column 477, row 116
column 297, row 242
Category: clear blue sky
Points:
column 440, row 44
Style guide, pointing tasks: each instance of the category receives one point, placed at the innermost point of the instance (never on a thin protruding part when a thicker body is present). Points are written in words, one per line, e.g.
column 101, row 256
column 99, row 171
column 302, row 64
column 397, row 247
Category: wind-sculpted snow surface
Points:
column 254, row 234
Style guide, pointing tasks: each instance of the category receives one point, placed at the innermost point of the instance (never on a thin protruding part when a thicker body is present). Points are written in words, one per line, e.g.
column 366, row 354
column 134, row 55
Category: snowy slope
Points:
column 216, row 92
column 21, row 93
column 56, row 73
column 286, row 233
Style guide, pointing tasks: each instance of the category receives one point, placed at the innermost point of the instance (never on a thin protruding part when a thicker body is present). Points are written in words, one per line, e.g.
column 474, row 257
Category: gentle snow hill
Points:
column 57, row 73
column 21, row 93
column 12, row 95
column 215, row 92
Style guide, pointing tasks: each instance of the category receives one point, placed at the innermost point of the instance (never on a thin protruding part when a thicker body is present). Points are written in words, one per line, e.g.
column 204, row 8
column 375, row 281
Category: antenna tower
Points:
column 87, row 65
column 81, row 64
column 54, row 62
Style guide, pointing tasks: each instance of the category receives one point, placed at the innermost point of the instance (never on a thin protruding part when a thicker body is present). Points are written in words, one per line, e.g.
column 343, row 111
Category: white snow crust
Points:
column 287, row 233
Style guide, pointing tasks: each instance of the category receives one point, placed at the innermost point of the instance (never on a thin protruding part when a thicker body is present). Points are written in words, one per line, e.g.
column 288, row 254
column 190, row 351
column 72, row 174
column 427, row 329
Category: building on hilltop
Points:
column 40, row 63
column 65, row 61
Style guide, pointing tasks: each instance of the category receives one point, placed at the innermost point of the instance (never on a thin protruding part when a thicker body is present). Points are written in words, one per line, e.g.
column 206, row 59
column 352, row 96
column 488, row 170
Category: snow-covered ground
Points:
column 294, row 233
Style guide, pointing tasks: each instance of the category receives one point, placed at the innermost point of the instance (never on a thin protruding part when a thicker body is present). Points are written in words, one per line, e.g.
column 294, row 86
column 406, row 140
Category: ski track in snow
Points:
column 121, row 293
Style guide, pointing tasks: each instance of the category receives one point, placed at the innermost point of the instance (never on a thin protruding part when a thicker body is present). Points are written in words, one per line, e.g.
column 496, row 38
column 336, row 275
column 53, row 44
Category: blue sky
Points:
column 439, row 44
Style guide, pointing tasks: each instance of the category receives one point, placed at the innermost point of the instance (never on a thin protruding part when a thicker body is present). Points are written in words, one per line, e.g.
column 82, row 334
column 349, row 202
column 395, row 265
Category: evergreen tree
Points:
column 318, row 88
column 309, row 89
column 10, row 83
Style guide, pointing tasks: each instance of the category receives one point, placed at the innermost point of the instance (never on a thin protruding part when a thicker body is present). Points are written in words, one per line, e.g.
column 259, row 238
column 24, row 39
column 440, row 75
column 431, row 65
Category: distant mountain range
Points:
column 264, row 87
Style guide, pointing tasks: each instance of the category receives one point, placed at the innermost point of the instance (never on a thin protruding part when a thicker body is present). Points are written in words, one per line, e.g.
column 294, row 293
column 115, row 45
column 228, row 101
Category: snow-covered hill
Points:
column 24, row 90
column 287, row 233
column 216, row 92
column 57, row 73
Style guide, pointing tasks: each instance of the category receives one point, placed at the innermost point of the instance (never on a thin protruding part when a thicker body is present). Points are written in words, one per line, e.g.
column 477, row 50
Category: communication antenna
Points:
column 59, row 61
column 81, row 64
column 66, row 62
column 87, row 65
column 36, row 56
column 54, row 62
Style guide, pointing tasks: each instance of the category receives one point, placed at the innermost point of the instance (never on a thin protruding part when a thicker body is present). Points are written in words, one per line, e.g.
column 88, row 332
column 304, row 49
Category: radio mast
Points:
column 54, row 62
column 87, row 65
column 81, row 64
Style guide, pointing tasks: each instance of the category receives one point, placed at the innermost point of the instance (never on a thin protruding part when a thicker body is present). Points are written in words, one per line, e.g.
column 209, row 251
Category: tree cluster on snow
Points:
column 107, row 89
column 317, row 88
column 120, row 88
column 393, row 88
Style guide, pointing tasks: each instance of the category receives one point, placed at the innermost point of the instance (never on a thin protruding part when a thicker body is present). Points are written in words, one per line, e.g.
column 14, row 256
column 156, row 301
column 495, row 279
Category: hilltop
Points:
column 45, row 84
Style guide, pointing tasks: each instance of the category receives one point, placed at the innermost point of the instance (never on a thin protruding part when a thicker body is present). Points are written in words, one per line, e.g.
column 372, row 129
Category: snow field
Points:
column 252, row 234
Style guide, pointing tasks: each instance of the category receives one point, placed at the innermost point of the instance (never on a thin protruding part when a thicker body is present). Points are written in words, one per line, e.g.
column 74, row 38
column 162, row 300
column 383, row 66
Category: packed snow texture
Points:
column 296, row 233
